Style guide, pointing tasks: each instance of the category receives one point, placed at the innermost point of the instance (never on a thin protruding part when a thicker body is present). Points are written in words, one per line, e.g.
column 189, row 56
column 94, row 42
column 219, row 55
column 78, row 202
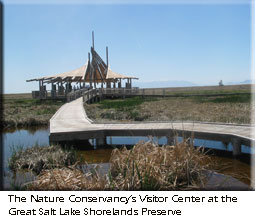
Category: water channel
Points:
column 239, row 168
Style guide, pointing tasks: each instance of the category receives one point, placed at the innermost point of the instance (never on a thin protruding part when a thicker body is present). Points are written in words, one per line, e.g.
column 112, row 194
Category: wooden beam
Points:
column 97, row 57
column 107, row 56
column 97, row 63
column 90, row 71
column 100, row 73
column 93, row 39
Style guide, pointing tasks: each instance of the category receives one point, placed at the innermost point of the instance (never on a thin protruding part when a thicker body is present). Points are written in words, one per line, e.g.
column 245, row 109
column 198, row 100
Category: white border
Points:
column 250, row 2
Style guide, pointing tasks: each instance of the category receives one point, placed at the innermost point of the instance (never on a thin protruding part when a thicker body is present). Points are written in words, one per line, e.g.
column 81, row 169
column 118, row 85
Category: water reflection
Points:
column 27, row 138
column 163, row 140
column 23, row 138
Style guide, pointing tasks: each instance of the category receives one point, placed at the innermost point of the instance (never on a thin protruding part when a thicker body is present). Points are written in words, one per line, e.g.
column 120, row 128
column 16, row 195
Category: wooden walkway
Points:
column 71, row 123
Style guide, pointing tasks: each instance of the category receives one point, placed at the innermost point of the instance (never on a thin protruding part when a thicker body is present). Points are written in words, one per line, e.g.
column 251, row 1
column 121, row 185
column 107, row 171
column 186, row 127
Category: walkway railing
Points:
column 73, row 95
column 91, row 94
column 124, row 92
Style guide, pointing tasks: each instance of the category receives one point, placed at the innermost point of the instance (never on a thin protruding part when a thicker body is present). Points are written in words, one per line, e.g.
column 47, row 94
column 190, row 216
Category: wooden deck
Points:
column 71, row 123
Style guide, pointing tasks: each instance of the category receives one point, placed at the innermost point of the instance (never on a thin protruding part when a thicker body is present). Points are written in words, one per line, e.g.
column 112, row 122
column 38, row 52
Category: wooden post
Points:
column 66, row 91
column 236, row 143
column 107, row 56
column 40, row 92
column 124, row 92
column 90, row 72
column 170, row 140
column 52, row 94
column 120, row 83
column 93, row 39
column 101, row 141
column 100, row 93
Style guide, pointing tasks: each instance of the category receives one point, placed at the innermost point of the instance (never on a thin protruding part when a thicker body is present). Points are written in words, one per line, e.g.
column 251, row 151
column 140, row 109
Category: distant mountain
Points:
column 240, row 82
column 158, row 84
column 247, row 82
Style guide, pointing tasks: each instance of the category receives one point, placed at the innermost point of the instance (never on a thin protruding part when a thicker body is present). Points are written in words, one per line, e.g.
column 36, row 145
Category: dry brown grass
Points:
column 38, row 158
column 176, row 109
column 242, row 88
column 20, row 110
column 188, row 109
column 67, row 178
column 145, row 167
column 150, row 167
column 18, row 96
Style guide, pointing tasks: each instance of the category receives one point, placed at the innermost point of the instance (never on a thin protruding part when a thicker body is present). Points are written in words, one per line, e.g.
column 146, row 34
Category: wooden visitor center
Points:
column 94, row 72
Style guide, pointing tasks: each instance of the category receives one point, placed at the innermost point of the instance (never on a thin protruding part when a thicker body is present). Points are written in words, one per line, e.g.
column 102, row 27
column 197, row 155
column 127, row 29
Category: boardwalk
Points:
column 71, row 123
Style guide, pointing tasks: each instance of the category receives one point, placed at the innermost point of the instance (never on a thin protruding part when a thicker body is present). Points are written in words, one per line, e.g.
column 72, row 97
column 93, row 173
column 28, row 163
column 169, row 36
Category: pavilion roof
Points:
column 74, row 75
column 113, row 75
column 94, row 71
column 82, row 74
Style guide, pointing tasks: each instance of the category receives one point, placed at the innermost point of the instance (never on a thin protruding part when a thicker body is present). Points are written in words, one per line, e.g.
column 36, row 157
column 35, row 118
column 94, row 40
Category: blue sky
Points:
column 198, row 43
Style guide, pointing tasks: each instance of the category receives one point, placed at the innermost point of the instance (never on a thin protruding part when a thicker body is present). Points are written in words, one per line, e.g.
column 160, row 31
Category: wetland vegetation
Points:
column 225, row 109
column 145, row 166
column 38, row 158
column 20, row 110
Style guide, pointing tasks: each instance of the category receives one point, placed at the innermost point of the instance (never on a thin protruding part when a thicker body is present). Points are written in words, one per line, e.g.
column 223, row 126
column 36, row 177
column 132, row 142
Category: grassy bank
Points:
column 145, row 167
column 226, row 109
column 20, row 110
column 38, row 158
column 203, row 90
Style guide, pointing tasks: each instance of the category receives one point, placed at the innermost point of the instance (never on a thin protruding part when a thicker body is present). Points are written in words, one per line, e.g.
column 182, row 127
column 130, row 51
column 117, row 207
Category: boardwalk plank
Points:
column 71, row 121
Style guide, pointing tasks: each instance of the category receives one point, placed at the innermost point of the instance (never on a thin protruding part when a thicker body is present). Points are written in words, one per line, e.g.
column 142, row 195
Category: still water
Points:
column 240, row 169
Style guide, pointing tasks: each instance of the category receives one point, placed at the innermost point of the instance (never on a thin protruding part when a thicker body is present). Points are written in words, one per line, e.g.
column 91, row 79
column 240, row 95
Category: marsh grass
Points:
column 226, row 109
column 20, row 110
column 68, row 178
column 207, row 92
column 146, row 166
column 124, row 104
column 119, row 109
column 17, row 186
column 150, row 167
column 240, row 98
column 38, row 158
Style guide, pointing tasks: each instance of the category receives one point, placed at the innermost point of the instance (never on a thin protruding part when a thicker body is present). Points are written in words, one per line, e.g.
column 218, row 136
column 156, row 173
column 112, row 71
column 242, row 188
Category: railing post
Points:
column 101, row 141
column 236, row 143
column 170, row 140
column 101, row 93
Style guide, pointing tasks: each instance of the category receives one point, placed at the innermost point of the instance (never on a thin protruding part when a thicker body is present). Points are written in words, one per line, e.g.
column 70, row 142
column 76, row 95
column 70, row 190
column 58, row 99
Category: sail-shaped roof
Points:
column 113, row 75
column 95, row 71
column 74, row 75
